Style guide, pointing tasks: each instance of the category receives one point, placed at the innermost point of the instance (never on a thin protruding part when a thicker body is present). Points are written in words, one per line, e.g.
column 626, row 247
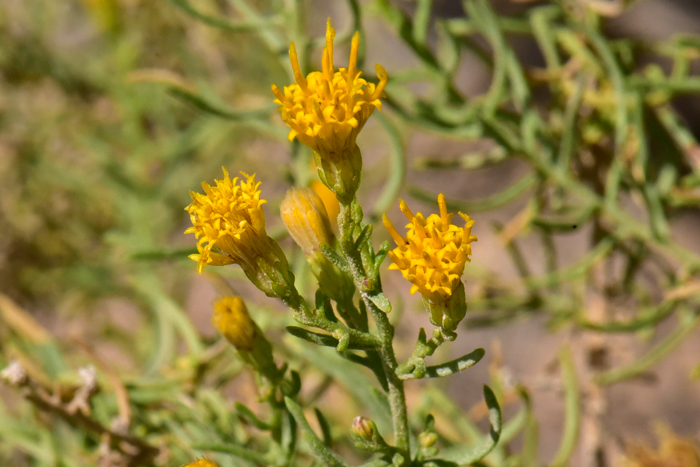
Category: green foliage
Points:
column 111, row 110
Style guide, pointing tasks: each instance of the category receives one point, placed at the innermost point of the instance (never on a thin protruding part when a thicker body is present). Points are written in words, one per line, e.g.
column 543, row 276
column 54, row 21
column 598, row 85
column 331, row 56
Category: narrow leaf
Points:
column 335, row 258
column 472, row 454
column 572, row 410
column 380, row 301
column 319, row 449
column 451, row 367
column 325, row 340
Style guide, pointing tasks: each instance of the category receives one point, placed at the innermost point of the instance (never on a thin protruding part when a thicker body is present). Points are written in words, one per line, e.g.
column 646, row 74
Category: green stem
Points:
column 371, row 287
column 688, row 322
column 397, row 397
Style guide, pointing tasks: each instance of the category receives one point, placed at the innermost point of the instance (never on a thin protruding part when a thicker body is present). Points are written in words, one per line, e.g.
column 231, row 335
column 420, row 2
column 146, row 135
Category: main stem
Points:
column 397, row 397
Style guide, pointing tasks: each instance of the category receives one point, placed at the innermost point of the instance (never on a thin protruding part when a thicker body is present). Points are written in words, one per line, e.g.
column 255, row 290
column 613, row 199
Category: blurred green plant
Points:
column 95, row 161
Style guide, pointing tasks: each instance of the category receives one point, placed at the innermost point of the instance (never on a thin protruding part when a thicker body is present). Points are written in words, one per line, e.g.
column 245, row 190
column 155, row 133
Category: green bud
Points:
column 362, row 427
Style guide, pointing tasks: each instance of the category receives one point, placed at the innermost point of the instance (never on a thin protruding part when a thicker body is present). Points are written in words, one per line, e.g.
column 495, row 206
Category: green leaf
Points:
column 335, row 258
column 354, row 379
column 451, row 367
column 380, row 301
column 214, row 109
column 688, row 322
column 325, row 427
column 248, row 415
column 325, row 340
column 223, row 23
column 472, row 454
column 319, row 449
column 156, row 255
column 572, row 410
column 381, row 254
column 364, row 236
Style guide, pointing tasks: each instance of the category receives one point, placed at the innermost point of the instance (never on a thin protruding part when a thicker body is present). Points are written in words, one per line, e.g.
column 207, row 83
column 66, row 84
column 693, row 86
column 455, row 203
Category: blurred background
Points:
column 112, row 110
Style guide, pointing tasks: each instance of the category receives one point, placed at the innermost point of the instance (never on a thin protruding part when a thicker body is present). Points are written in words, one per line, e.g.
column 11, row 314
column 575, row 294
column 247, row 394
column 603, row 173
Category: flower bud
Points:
column 427, row 440
column 233, row 321
column 330, row 201
column 362, row 427
column 305, row 217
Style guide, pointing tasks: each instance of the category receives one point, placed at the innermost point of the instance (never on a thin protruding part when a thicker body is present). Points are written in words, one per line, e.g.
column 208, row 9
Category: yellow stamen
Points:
column 298, row 77
column 354, row 48
column 392, row 231
column 443, row 209
column 383, row 79
column 330, row 37
column 278, row 94
column 406, row 210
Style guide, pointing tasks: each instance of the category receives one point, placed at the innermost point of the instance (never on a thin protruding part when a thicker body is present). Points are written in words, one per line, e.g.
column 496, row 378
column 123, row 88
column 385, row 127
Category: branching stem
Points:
column 371, row 286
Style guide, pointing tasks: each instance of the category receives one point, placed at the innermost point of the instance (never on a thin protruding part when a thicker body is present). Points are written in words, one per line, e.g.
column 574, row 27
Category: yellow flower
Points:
column 434, row 252
column 327, row 109
column 202, row 463
column 432, row 257
column 231, row 318
column 228, row 222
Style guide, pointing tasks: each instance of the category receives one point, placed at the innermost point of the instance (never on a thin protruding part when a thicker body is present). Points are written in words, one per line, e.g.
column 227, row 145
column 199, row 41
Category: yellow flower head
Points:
column 228, row 222
column 231, row 318
column 327, row 109
column 202, row 463
column 434, row 252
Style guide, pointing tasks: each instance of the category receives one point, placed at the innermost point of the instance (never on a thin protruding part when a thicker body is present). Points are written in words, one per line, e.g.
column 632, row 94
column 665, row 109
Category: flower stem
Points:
column 350, row 225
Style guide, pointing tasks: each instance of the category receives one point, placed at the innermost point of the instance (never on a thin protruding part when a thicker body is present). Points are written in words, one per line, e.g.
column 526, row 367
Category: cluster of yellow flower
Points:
column 326, row 111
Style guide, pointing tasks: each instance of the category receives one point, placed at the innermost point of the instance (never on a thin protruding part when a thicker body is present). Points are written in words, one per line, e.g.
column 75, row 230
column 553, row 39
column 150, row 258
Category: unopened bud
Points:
column 427, row 439
column 233, row 321
column 306, row 219
column 362, row 427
